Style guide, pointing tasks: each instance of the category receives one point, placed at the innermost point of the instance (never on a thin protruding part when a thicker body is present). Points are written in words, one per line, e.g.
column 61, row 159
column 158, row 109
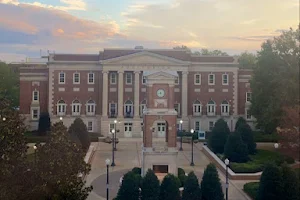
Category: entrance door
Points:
column 161, row 129
column 127, row 129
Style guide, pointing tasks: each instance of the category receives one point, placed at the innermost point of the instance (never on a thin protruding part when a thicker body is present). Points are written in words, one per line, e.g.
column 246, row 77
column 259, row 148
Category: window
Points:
column 61, row 78
column 177, row 80
column 142, row 107
column 211, row 79
column 144, row 81
column 197, row 79
column 90, row 107
column 111, row 127
column 225, row 108
column 90, row 126
column 211, row 108
column 35, row 95
column 197, row 126
column 248, row 96
column 197, row 108
column 112, row 109
column 128, row 109
column 91, row 78
column 76, row 106
column 127, row 127
column 35, row 113
column 248, row 115
column 224, row 79
column 142, row 126
column 76, row 78
column 61, row 108
column 211, row 125
column 113, row 78
column 128, row 78
column 177, row 108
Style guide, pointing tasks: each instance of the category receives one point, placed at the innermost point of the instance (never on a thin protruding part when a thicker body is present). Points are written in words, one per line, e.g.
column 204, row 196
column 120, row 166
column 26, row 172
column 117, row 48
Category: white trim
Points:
column 88, row 78
column 211, row 109
column 92, row 126
column 37, row 95
column 64, row 77
column 111, row 74
column 247, row 97
column 199, row 125
column 90, row 108
column 214, row 79
column 129, row 75
column 195, row 78
column 246, row 114
column 197, row 107
column 224, row 108
column 177, row 80
column 178, row 112
column 224, row 79
column 144, row 80
column 116, row 110
column 38, row 113
column 212, row 125
column 62, row 107
column 76, row 73
column 76, row 108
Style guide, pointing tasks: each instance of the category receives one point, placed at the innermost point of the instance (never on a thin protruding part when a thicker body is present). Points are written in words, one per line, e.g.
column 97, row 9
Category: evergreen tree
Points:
column 169, row 188
column 182, row 177
column 270, row 186
column 218, row 137
column 235, row 150
column 150, row 186
column 130, row 187
column 78, row 132
column 44, row 123
column 247, row 137
column 210, row 185
column 290, row 183
column 239, row 122
column 191, row 188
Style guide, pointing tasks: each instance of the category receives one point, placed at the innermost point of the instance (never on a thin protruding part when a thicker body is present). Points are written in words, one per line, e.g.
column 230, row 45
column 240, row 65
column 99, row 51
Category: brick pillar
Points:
column 136, row 94
column 120, row 94
column 184, row 93
column 105, row 93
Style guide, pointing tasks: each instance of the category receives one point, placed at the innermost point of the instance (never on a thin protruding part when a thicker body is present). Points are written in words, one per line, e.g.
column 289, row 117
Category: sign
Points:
column 201, row 135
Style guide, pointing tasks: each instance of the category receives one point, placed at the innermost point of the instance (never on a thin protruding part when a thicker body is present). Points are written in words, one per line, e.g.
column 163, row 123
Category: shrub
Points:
column 182, row 177
column 150, row 186
column 235, row 149
column 44, row 123
column 211, row 185
column 247, row 137
column 218, row 136
column 79, row 133
column 129, row 188
column 262, row 137
column 169, row 188
column 239, row 122
column 191, row 188
column 251, row 189
column 290, row 183
column 137, row 170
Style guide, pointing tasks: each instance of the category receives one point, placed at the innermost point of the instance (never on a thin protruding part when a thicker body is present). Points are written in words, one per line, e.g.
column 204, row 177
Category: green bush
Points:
column 37, row 139
column 247, row 137
column 290, row 183
column 251, row 189
column 169, row 188
column 182, row 177
column 94, row 136
column 235, row 150
column 218, row 137
column 262, row 137
column 44, row 123
column 78, row 132
column 137, row 170
column 191, row 188
column 130, row 187
column 150, row 186
column 239, row 122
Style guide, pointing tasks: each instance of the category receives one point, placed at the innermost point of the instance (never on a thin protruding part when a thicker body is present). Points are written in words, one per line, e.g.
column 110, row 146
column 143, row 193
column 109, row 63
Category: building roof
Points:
column 76, row 57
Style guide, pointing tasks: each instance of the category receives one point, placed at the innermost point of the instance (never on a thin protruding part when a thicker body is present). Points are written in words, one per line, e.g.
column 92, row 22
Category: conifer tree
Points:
column 218, row 137
column 150, row 186
column 169, row 188
column 191, row 188
column 210, row 185
column 130, row 187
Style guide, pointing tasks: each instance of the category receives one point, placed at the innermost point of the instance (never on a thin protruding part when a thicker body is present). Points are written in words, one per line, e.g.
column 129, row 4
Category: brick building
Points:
column 110, row 85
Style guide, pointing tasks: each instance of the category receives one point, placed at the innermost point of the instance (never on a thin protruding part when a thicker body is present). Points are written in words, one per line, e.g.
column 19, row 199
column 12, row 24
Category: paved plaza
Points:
column 128, row 155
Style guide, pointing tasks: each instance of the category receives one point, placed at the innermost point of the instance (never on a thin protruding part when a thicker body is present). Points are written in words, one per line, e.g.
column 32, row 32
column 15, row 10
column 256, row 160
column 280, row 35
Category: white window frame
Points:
column 177, row 80
column 211, row 109
column 196, row 108
column 144, row 80
column 112, row 126
column 210, row 128
column 128, row 106
column 178, row 108
column 36, row 94
column 90, row 108
column 195, row 79
column 61, row 108
column 113, row 78
column 195, row 126
column 74, row 78
column 225, row 109
column 93, row 77
column 214, row 79
column 142, row 107
column 116, row 109
column 64, row 78
column 76, row 108
column 248, row 96
column 223, row 83
column 128, row 76
column 246, row 114
column 90, row 126
column 37, row 114
column 128, row 127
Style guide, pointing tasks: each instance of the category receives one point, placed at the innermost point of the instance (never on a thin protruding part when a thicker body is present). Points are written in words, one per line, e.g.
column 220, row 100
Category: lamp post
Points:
column 4, row 119
column 35, row 148
column 192, row 161
column 115, row 135
column 227, row 185
column 180, row 149
column 107, row 162
column 276, row 145
column 113, row 150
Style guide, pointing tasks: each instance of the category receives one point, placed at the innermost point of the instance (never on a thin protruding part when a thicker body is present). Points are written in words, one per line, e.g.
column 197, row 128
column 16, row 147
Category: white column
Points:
column 184, row 94
column 105, row 93
column 120, row 93
column 136, row 94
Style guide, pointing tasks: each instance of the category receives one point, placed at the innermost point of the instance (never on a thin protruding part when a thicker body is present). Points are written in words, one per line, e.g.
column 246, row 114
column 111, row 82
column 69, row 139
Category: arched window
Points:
column 197, row 108
column 225, row 108
column 61, row 108
column 76, row 107
column 128, row 109
column 211, row 108
column 142, row 107
column 90, row 107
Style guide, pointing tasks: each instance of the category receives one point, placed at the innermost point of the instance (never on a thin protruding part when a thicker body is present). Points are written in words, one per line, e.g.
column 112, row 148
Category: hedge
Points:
column 251, row 189
column 262, row 137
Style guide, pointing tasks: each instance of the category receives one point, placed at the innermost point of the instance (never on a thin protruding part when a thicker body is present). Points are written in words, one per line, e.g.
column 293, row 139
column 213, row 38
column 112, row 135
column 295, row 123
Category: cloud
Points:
column 248, row 22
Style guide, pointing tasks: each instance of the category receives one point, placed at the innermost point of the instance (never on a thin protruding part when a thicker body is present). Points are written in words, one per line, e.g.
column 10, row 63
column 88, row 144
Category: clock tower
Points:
column 159, row 151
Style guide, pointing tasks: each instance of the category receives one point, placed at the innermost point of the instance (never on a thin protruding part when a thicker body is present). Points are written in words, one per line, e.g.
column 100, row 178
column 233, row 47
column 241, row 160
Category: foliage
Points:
column 169, row 188
column 78, row 131
column 44, row 123
column 275, row 81
column 247, row 60
column 210, row 185
column 130, row 187
column 290, row 183
column 150, row 186
column 247, row 137
column 203, row 52
column 251, row 189
column 182, row 177
column 191, row 188
column 137, row 170
column 239, row 122
column 235, row 150
column 270, row 186
column 218, row 137
column 262, row 137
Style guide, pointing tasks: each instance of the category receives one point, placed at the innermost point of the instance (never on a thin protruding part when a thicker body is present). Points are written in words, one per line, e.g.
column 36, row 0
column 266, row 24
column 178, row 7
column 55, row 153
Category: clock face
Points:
column 160, row 93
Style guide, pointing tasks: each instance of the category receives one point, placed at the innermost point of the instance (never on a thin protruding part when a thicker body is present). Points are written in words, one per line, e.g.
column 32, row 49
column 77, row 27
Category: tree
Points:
column 270, row 186
column 218, row 136
column 235, row 150
column 191, row 188
column 246, row 134
column 182, row 177
column 239, row 122
column 169, row 188
column 206, row 52
column 44, row 123
column 275, row 81
column 290, row 183
column 130, row 187
column 150, row 186
column 210, row 185
column 183, row 47
column 78, row 130
column 247, row 60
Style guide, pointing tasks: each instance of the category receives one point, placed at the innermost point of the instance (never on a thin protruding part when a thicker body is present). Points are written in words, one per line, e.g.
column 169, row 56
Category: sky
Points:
column 29, row 28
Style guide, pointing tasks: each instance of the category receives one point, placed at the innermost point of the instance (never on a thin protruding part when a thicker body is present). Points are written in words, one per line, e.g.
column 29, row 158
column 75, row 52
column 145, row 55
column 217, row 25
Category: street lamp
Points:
column 180, row 149
column 227, row 185
column 276, row 145
column 35, row 148
column 4, row 119
column 115, row 135
column 113, row 150
column 107, row 162
column 192, row 162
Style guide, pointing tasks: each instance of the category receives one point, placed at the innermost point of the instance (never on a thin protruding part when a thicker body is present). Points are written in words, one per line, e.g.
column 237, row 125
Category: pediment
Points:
column 144, row 57
column 160, row 74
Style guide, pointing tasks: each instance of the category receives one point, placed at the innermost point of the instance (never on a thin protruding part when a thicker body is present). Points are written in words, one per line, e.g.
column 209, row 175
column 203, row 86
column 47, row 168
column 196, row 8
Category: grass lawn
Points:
column 251, row 189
